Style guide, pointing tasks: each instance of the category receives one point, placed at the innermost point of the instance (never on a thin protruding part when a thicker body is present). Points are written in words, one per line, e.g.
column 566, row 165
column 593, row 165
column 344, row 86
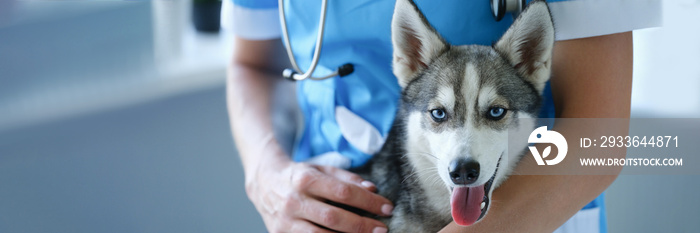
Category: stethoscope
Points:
column 498, row 9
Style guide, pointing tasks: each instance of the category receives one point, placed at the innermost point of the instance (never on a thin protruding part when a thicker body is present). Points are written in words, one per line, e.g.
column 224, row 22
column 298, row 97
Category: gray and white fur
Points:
column 466, row 82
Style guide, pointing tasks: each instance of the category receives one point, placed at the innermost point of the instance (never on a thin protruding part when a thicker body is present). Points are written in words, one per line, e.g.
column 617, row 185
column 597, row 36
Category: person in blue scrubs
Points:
column 593, row 56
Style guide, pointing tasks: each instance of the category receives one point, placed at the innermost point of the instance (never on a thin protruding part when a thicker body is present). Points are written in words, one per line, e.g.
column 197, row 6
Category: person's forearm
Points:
column 249, row 86
column 548, row 201
column 538, row 203
column 248, row 94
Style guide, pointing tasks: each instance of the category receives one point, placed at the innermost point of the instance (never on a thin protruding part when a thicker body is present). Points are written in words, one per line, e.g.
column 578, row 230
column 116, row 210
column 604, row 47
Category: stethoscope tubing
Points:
column 498, row 8
column 298, row 74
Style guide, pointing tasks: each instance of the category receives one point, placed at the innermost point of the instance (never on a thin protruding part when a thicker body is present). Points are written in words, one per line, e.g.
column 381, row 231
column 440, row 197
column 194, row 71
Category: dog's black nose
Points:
column 464, row 171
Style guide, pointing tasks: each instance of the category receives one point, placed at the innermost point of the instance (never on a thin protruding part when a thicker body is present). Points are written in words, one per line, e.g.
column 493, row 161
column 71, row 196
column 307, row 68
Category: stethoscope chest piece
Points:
column 499, row 8
column 342, row 71
column 297, row 74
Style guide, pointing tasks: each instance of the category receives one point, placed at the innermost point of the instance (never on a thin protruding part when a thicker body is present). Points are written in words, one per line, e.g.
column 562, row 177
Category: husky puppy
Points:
column 447, row 150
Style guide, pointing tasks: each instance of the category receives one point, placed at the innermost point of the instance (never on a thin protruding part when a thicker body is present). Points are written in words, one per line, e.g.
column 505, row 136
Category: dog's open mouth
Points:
column 469, row 204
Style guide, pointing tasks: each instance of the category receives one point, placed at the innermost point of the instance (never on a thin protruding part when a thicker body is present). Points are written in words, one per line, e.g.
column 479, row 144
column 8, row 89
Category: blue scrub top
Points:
column 359, row 32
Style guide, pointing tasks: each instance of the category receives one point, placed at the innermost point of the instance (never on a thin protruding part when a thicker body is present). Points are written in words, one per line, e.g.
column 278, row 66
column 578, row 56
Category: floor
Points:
column 164, row 166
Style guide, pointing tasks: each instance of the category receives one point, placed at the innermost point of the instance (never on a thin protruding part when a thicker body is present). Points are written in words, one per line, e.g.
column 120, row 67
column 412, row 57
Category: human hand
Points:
column 293, row 197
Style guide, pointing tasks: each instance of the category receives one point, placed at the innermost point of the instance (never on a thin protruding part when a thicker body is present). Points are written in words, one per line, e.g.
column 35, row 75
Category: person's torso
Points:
column 359, row 32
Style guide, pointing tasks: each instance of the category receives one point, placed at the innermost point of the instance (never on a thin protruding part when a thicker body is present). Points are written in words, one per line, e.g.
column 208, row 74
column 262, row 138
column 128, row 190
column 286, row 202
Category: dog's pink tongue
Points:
column 466, row 204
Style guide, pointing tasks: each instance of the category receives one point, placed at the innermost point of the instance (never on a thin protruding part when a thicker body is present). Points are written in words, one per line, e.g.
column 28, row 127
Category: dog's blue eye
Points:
column 438, row 115
column 496, row 113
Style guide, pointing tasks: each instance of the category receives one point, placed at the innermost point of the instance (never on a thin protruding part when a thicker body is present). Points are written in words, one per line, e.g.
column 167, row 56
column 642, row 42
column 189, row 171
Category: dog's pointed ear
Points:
column 415, row 42
column 528, row 43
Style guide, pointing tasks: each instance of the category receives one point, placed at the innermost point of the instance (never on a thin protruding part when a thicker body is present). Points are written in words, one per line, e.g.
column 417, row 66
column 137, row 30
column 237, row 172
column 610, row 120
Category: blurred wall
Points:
column 666, row 71
column 57, row 55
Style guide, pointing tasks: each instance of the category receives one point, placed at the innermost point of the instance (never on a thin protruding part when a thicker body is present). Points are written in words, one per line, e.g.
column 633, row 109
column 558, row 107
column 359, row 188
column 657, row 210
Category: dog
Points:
column 447, row 149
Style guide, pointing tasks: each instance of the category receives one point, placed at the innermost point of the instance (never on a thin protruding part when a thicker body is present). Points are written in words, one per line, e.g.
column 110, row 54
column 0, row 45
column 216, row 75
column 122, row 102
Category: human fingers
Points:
column 301, row 225
column 338, row 219
column 330, row 188
column 348, row 176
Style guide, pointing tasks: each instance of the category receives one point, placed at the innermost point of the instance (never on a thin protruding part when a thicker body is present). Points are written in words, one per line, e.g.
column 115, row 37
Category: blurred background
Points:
column 113, row 119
